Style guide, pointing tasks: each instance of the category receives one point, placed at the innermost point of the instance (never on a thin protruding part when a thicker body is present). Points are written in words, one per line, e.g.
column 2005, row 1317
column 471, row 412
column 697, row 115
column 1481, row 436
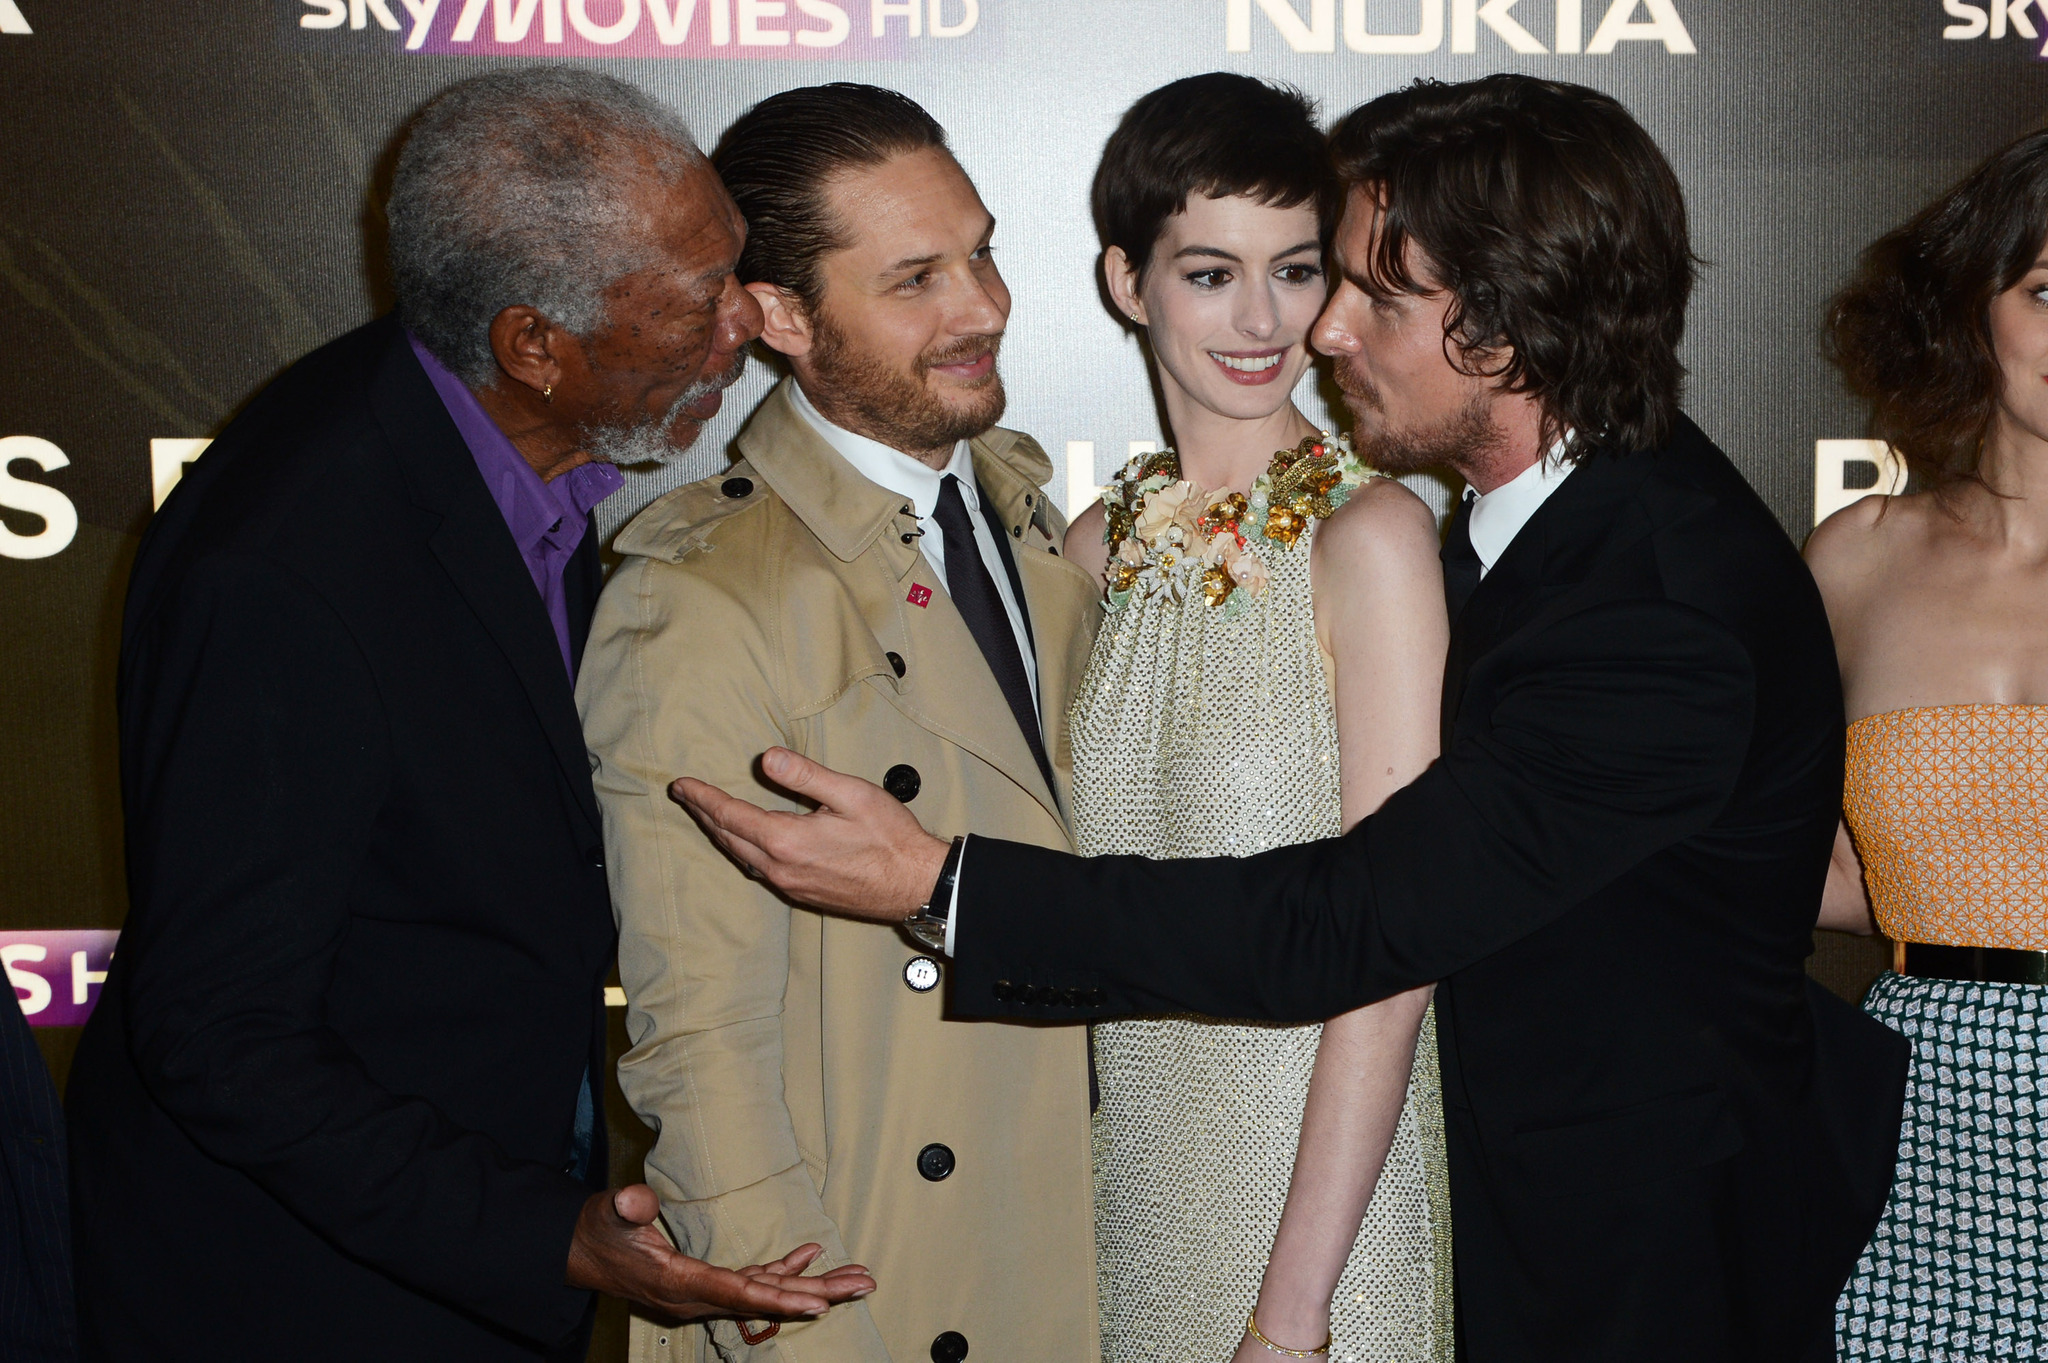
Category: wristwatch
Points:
column 928, row 925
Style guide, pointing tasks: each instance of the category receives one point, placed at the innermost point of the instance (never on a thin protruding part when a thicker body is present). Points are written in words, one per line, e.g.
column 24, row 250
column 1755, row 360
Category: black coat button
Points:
column 737, row 487
column 1098, row 998
column 1004, row 991
column 950, row 1347
column 903, row 782
column 1017, row 531
column 921, row 973
column 895, row 661
column 935, row 1162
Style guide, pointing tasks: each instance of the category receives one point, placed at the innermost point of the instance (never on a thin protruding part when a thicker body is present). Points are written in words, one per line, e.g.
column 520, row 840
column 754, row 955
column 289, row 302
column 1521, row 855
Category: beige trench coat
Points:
column 792, row 1073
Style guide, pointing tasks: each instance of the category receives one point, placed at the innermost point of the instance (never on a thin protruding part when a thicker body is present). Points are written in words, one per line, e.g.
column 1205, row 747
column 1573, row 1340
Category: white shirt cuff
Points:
column 953, row 908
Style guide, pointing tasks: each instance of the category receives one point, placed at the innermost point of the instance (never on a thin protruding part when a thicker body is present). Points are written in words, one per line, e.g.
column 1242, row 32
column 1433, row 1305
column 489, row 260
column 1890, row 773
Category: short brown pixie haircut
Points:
column 1218, row 135
column 1558, row 228
column 778, row 158
column 1911, row 331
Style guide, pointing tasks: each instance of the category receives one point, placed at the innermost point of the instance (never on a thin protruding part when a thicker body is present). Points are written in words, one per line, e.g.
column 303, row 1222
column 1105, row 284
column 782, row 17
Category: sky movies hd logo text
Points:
column 868, row 30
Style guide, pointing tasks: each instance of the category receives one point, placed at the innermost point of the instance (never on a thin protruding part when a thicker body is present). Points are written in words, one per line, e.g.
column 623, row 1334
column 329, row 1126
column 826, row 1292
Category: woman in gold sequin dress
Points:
column 1267, row 673
column 1939, row 605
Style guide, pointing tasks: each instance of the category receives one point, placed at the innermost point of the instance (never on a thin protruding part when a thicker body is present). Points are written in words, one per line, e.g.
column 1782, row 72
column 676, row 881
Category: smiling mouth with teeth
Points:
column 1247, row 364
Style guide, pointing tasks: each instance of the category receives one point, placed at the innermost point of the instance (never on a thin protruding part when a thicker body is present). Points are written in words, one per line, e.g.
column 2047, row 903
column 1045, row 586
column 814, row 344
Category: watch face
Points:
column 921, row 973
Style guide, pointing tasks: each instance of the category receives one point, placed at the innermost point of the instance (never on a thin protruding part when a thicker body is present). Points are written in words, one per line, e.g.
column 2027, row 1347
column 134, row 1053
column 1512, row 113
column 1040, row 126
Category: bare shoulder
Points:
column 1382, row 528
column 1853, row 551
column 1084, row 547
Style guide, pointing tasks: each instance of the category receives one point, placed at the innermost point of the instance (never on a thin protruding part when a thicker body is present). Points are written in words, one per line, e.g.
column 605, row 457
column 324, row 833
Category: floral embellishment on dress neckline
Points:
column 1168, row 536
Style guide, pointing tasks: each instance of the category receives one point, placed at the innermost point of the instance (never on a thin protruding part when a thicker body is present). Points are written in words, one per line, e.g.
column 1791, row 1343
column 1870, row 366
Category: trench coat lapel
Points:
column 1058, row 597
column 946, row 686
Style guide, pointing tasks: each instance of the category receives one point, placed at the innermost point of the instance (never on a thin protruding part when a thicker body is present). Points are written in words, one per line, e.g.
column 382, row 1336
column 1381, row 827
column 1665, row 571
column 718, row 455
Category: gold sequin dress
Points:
column 1200, row 731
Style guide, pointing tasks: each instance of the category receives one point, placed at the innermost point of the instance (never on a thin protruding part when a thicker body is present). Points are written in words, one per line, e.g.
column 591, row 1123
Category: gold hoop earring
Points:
column 547, row 393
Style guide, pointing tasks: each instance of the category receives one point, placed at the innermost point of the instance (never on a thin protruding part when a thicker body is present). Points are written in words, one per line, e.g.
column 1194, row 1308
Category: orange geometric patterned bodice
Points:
column 1949, row 808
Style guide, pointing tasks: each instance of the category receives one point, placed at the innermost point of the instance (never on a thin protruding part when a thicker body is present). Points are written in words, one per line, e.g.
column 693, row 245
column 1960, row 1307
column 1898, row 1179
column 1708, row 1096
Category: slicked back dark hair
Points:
column 1219, row 135
column 1559, row 229
column 1911, row 331
column 777, row 160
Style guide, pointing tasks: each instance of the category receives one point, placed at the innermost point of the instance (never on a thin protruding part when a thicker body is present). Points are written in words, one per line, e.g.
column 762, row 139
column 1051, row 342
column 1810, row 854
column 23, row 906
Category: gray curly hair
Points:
column 515, row 187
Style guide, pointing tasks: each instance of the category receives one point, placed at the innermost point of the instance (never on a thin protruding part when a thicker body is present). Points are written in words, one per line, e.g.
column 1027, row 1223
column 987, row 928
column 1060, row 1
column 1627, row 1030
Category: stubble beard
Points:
column 898, row 408
column 1457, row 442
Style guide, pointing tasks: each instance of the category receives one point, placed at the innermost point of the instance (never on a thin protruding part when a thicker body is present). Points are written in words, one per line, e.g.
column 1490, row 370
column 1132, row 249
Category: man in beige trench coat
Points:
column 833, row 592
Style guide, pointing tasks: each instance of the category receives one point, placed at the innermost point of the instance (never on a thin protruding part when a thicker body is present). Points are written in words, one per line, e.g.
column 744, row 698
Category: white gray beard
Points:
column 647, row 441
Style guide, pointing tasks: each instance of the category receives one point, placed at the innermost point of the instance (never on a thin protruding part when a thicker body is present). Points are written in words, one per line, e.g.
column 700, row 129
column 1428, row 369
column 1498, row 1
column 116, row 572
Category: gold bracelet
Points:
column 1252, row 1325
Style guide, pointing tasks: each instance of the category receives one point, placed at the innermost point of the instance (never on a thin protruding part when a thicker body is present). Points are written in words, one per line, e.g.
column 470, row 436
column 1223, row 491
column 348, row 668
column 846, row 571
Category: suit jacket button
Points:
column 921, row 973
column 1004, row 991
column 895, row 661
column 935, row 1162
column 950, row 1347
column 1098, row 998
column 737, row 487
column 1035, row 993
column 903, row 782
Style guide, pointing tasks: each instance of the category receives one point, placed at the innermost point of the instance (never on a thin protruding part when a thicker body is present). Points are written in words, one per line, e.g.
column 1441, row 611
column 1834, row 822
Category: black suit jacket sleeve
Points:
column 267, row 765
column 1620, row 731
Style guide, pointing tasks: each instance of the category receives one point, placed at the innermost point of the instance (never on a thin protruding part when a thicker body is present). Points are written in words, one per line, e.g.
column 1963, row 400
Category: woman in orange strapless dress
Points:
column 1939, row 604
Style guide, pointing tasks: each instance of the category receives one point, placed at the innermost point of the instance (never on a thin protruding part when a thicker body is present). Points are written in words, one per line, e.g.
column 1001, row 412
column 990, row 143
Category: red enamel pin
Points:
column 920, row 595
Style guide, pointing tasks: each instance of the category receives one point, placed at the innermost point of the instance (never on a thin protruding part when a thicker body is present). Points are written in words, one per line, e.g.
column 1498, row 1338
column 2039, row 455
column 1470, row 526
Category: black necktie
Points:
column 981, row 606
column 1461, row 560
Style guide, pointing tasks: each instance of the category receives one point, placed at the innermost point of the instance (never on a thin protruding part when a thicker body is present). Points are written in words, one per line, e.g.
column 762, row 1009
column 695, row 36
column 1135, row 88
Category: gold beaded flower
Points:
column 1163, row 543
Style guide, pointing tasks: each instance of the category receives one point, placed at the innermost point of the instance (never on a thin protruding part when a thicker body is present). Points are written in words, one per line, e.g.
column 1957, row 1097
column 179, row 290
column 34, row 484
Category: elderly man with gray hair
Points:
column 340, row 1098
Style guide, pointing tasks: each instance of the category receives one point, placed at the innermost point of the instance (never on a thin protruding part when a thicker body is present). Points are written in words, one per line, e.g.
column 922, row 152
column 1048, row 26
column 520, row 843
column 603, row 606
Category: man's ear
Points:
column 526, row 345
column 785, row 326
column 1121, row 278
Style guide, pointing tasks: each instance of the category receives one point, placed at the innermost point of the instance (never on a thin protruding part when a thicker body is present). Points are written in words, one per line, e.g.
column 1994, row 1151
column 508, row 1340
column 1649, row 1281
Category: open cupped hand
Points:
column 618, row 1249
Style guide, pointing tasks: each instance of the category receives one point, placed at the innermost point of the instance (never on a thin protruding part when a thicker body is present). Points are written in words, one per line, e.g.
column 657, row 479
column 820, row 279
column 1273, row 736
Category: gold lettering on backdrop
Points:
column 1847, row 471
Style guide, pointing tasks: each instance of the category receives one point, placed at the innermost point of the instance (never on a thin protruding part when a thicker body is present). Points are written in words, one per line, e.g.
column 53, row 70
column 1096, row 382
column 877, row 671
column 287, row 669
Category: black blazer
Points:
column 37, row 1315
column 1663, row 1141
column 324, row 1108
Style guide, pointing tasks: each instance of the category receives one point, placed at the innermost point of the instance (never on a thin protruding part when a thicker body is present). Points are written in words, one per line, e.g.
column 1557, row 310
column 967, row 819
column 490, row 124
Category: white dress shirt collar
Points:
column 1498, row 516
column 892, row 469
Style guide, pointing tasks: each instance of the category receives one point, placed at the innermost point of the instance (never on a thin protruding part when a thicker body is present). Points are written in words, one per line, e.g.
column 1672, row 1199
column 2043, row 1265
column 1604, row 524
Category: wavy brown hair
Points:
column 1559, row 229
column 1911, row 330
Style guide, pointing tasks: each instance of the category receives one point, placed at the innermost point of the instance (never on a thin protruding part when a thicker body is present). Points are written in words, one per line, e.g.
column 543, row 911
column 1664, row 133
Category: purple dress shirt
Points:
column 547, row 520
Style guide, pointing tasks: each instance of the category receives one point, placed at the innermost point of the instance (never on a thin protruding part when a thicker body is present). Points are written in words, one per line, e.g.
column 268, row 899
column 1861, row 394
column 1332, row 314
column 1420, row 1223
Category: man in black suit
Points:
column 340, row 1097
column 38, row 1319
column 1664, row 1142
